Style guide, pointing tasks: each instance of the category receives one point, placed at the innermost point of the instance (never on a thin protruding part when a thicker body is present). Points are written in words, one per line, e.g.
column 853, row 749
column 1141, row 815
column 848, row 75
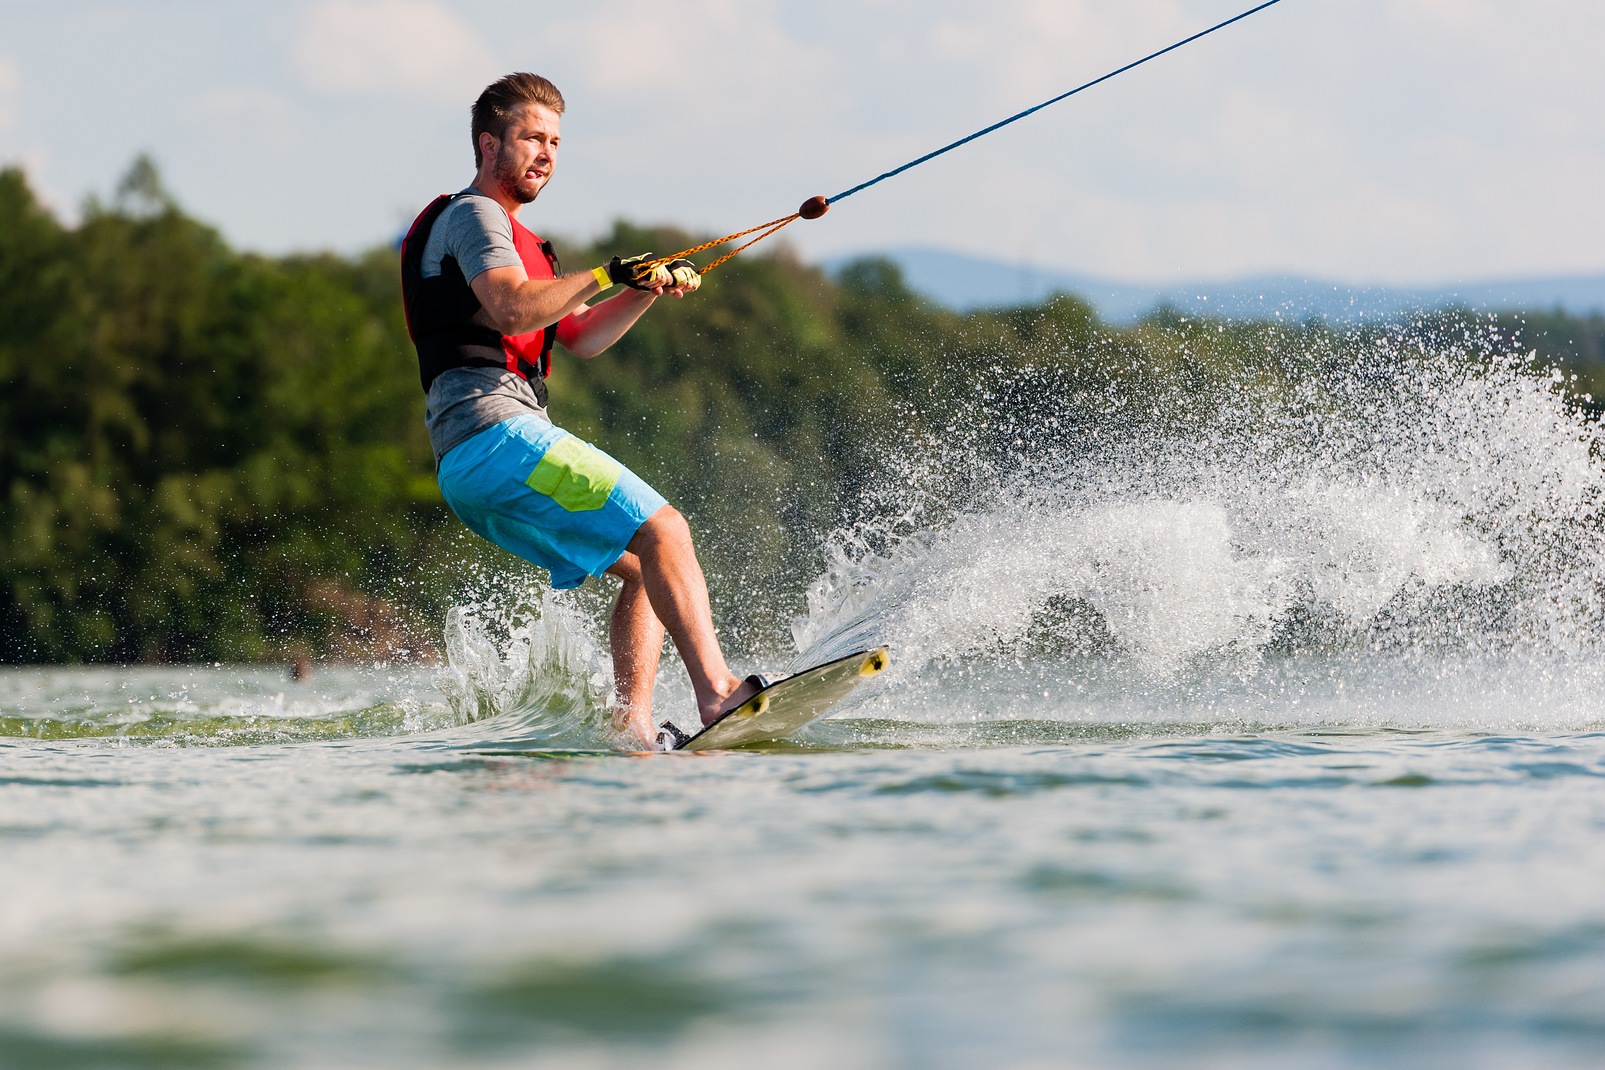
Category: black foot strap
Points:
column 670, row 737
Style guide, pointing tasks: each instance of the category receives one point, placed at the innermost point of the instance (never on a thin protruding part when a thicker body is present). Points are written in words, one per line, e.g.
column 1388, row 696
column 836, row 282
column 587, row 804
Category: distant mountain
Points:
column 964, row 282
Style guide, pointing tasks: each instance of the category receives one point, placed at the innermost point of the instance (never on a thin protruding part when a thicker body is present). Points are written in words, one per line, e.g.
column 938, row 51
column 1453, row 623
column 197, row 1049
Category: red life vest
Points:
column 451, row 329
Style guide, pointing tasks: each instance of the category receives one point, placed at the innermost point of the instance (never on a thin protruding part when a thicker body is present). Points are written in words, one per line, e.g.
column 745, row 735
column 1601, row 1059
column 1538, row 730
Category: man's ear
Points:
column 489, row 143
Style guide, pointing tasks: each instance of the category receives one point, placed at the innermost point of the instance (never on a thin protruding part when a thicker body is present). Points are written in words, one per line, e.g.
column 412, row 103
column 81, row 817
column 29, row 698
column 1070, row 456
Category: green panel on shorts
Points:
column 575, row 475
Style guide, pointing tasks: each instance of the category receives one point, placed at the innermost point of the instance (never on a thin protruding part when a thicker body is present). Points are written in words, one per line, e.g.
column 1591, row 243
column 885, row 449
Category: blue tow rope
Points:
column 1046, row 103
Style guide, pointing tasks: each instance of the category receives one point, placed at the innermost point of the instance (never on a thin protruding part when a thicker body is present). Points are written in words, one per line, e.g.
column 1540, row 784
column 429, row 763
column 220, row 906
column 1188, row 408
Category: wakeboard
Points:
column 785, row 705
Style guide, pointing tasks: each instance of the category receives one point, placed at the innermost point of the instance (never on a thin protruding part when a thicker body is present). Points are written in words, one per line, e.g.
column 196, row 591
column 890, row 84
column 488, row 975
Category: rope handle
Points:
column 812, row 208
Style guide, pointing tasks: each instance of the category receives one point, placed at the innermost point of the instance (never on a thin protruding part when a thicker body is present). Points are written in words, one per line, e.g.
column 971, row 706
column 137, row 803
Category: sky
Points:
column 1397, row 142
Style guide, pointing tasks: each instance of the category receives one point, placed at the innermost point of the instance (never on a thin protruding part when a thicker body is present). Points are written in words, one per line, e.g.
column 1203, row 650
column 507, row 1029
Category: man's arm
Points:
column 591, row 330
column 518, row 304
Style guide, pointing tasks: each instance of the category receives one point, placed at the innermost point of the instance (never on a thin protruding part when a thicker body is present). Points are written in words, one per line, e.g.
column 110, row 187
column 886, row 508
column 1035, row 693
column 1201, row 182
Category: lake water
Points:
column 266, row 876
column 1279, row 745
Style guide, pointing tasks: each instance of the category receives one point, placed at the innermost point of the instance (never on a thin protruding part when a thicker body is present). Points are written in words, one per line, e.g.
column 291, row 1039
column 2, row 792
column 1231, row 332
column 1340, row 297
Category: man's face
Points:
column 527, row 152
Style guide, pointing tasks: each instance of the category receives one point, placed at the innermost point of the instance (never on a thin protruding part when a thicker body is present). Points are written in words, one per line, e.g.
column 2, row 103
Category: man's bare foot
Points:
column 728, row 699
column 634, row 726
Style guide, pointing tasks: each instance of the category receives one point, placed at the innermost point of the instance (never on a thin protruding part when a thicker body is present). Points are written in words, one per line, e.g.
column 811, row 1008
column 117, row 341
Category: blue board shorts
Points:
column 546, row 495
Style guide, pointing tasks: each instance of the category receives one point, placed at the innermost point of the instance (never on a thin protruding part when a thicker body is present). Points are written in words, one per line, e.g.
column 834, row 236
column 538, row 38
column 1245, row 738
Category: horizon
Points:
column 1264, row 275
column 833, row 262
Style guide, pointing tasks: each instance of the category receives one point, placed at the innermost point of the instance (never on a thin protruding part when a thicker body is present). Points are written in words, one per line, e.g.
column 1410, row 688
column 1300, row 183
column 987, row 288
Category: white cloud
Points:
column 735, row 54
column 383, row 47
column 1048, row 46
column 721, row 99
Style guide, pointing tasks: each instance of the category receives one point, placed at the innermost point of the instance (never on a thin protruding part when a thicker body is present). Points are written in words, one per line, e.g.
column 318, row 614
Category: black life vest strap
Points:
column 550, row 252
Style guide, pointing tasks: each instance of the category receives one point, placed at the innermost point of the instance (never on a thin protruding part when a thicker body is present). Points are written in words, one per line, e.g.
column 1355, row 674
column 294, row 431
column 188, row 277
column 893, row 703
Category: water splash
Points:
column 1428, row 502
column 536, row 670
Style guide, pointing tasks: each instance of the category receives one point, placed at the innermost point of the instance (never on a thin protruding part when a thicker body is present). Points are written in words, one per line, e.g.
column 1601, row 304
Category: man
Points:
column 485, row 302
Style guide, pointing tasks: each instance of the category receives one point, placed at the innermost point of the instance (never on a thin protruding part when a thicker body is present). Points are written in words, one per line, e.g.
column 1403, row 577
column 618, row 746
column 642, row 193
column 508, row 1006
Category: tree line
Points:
column 210, row 454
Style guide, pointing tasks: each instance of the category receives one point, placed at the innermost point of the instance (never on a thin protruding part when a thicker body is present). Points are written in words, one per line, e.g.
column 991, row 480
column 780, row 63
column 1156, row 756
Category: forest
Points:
column 213, row 455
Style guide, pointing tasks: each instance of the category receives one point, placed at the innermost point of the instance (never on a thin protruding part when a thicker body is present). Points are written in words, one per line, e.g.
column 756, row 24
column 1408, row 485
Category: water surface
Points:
column 883, row 892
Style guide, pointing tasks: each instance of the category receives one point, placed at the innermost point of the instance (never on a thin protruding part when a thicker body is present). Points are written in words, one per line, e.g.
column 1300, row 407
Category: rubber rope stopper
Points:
column 813, row 208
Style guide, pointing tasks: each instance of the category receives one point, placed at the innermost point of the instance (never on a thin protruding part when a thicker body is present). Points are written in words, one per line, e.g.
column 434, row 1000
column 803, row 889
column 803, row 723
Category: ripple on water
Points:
column 1000, row 784
column 200, row 706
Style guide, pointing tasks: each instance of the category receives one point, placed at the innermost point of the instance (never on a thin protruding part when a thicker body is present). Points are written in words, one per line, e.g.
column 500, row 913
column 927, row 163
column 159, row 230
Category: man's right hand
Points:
column 632, row 271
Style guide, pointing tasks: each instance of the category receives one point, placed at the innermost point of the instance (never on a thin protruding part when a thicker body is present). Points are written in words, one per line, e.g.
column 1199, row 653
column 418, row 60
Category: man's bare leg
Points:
column 679, row 595
column 636, row 637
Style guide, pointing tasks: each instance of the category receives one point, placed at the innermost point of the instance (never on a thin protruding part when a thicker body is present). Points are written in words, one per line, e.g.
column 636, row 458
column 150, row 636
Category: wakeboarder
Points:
column 485, row 303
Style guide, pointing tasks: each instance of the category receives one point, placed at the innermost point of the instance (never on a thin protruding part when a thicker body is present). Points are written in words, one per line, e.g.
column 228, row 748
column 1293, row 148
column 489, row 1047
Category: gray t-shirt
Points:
column 476, row 232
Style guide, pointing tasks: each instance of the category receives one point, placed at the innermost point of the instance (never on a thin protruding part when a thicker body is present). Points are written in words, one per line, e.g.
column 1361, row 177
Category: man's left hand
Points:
column 686, row 278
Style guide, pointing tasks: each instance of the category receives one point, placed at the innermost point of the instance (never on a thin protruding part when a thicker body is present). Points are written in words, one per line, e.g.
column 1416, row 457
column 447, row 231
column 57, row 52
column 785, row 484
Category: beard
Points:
column 510, row 176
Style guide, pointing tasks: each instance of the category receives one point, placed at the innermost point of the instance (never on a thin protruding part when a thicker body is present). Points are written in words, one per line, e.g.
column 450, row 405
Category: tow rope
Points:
column 814, row 207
